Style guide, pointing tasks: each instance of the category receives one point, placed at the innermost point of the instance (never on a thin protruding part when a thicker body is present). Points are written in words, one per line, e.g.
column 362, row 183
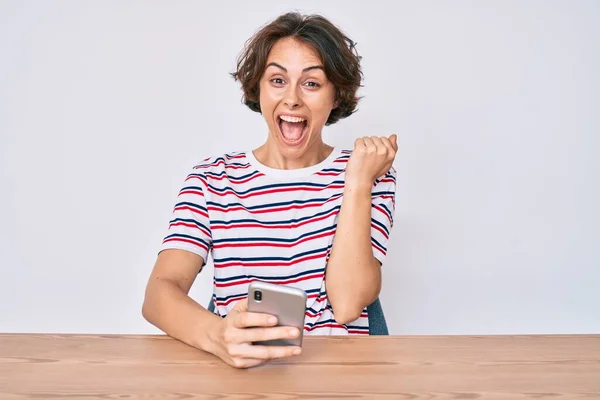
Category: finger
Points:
column 267, row 352
column 389, row 146
column 371, row 148
column 381, row 148
column 246, row 362
column 260, row 334
column 359, row 143
column 249, row 319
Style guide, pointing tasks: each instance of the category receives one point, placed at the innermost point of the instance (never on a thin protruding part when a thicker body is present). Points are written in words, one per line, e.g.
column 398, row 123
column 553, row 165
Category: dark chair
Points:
column 377, row 323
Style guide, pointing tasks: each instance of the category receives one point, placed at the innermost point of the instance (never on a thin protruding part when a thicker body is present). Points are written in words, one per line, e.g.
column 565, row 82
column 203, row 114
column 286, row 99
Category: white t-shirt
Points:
column 275, row 226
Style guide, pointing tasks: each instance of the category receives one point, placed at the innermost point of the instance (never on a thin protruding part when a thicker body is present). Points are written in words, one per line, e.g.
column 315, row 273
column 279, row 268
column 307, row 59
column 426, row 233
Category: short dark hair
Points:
column 336, row 50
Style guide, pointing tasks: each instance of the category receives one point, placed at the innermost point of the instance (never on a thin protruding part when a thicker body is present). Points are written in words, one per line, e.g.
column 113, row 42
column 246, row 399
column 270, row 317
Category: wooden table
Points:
column 393, row 367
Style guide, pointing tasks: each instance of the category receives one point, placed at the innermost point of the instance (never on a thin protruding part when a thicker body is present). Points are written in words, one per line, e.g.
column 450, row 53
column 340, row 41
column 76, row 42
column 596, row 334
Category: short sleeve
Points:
column 189, row 227
column 383, row 201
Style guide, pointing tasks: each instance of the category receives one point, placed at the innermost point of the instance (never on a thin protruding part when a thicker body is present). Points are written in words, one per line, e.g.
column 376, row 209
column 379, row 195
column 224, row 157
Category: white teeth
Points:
column 291, row 119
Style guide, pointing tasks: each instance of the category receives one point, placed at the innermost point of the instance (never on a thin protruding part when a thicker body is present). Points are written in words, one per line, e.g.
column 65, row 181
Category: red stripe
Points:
column 387, row 179
column 268, row 244
column 316, row 295
column 228, row 301
column 389, row 196
column 200, row 178
column 191, row 191
column 381, row 210
column 359, row 332
column 377, row 227
column 330, row 325
column 221, row 162
column 381, row 250
column 270, row 264
column 281, row 282
column 194, row 210
column 269, row 210
column 285, row 226
column 271, row 191
column 219, row 178
column 235, row 157
column 186, row 241
column 329, row 173
column 189, row 225
column 315, row 315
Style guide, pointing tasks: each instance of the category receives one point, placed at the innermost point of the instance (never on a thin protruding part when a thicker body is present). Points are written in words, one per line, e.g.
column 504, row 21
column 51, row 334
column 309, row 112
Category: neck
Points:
column 269, row 154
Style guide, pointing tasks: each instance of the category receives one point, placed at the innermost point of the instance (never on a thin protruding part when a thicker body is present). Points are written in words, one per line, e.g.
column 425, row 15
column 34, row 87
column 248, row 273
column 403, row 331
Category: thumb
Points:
column 394, row 139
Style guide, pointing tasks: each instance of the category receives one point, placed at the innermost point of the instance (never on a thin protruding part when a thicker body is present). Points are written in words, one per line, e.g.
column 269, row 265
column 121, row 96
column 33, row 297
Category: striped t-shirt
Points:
column 273, row 225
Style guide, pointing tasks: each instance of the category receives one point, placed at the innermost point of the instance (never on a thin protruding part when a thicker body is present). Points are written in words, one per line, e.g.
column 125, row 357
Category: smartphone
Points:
column 287, row 303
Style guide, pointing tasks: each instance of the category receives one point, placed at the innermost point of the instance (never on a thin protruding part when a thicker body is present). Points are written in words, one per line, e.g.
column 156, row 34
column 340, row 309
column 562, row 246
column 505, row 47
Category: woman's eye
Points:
column 313, row 84
column 277, row 81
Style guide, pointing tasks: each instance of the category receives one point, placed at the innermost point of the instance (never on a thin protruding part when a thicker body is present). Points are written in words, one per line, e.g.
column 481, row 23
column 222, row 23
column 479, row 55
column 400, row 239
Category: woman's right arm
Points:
column 168, row 307
column 167, row 304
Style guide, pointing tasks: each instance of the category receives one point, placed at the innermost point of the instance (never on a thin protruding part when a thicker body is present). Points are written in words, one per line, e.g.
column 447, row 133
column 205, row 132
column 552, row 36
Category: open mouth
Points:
column 292, row 129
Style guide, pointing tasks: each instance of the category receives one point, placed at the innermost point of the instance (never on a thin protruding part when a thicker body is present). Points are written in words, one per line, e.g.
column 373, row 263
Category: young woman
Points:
column 294, row 211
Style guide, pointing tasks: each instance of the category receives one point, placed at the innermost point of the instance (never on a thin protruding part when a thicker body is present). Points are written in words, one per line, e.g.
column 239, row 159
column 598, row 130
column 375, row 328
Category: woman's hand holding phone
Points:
column 232, row 338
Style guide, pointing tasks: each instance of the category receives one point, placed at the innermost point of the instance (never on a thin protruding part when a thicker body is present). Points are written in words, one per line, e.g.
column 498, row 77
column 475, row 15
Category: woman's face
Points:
column 295, row 97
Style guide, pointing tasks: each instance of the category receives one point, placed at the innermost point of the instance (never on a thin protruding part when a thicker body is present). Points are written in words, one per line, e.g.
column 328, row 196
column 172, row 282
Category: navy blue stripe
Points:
column 240, row 295
column 191, row 221
column 191, row 187
column 276, row 277
column 327, row 307
column 276, row 240
column 272, row 205
column 187, row 203
column 252, row 259
column 387, row 175
column 275, row 186
column 313, row 311
column 389, row 213
column 233, row 178
column 383, row 193
column 280, row 222
column 234, row 154
column 309, row 291
column 382, row 226
column 179, row 235
column 357, row 327
column 327, row 321
column 379, row 244
column 216, row 160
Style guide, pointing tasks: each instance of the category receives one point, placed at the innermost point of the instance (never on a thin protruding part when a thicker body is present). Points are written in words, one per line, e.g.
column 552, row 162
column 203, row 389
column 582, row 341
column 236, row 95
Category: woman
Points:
column 271, row 214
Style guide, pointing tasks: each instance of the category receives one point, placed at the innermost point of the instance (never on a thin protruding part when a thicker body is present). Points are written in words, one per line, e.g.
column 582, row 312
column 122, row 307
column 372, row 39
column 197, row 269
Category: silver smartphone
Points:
column 288, row 304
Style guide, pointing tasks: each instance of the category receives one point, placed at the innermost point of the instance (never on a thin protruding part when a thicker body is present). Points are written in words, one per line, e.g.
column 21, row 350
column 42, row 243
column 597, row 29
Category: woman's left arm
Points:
column 353, row 274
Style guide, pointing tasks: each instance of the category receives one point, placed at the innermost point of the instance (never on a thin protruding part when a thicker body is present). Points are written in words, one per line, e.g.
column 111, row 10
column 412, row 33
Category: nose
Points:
column 292, row 99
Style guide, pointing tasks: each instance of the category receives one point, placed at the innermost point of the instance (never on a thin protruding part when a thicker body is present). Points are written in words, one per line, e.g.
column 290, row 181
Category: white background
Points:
column 105, row 105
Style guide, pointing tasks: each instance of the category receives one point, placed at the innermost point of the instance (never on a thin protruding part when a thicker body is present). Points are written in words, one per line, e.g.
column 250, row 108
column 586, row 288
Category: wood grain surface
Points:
column 385, row 367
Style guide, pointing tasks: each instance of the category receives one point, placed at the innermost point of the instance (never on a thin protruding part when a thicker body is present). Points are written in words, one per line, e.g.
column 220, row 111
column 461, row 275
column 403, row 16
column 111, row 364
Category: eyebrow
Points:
column 274, row 64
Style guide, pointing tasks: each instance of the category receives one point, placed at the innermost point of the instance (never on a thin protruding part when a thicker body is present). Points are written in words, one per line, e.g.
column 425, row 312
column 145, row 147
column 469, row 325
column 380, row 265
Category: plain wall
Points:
column 105, row 105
